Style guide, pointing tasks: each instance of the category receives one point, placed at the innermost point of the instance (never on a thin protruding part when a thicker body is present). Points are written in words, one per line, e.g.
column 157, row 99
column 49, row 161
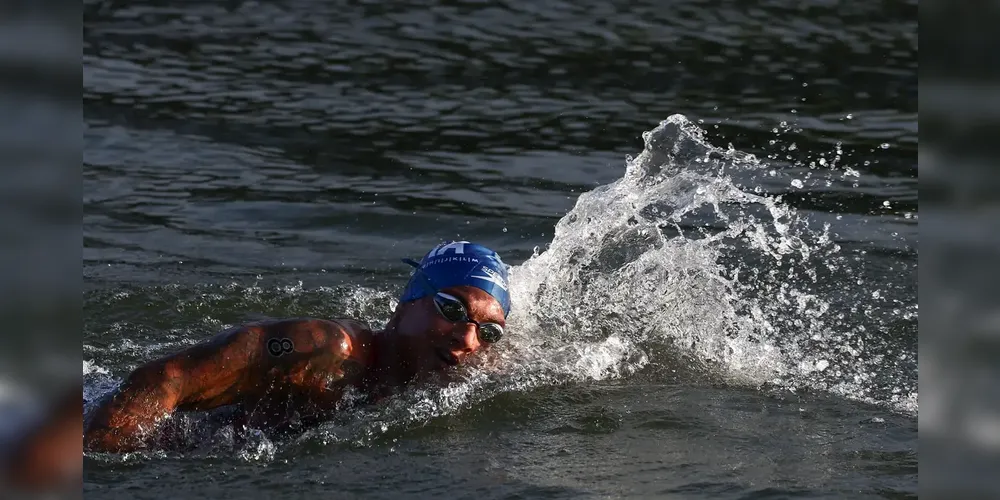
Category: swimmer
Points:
column 290, row 373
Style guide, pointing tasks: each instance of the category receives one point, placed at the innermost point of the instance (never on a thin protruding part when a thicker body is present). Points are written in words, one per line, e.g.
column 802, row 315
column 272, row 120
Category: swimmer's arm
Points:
column 226, row 370
column 202, row 377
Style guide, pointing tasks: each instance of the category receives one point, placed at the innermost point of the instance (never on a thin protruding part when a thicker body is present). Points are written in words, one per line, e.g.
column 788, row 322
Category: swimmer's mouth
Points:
column 448, row 358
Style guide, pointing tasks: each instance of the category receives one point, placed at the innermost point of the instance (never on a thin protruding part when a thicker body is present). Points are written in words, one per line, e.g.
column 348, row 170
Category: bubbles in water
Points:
column 257, row 447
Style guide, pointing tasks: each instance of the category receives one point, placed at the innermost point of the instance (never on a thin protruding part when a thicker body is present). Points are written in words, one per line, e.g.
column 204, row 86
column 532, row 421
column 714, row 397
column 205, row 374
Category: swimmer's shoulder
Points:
column 358, row 339
column 342, row 337
column 353, row 326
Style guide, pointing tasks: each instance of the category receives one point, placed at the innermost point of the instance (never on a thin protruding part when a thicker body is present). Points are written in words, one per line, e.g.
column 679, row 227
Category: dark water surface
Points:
column 731, row 328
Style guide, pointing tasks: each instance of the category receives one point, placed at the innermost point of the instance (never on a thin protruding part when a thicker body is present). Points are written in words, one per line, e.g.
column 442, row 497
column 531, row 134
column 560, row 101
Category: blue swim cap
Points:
column 458, row 263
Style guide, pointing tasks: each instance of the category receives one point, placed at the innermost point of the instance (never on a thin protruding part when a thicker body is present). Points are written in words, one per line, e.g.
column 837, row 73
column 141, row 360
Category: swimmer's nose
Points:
column 465, row 338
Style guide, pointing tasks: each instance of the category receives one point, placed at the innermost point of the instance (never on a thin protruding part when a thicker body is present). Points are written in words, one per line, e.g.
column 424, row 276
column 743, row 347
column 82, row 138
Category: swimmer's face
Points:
column 433, row 342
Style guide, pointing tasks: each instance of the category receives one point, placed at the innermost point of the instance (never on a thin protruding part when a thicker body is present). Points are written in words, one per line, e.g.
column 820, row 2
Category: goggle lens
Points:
column 453, row 310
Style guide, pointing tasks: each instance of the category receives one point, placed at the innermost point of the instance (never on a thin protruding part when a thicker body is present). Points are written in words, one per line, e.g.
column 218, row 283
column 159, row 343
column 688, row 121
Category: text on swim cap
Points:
column 493, row 277
column 457, row 247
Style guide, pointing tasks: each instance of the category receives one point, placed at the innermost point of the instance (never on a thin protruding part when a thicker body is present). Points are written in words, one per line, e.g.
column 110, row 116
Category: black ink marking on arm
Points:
column 280, row 347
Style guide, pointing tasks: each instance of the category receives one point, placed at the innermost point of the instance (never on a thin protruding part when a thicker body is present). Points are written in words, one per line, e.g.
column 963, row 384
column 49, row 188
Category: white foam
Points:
column 90, row 367
column 629, row 268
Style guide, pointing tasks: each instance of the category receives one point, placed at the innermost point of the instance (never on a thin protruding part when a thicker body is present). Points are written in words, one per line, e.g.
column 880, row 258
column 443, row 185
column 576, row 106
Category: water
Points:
column 712, row 213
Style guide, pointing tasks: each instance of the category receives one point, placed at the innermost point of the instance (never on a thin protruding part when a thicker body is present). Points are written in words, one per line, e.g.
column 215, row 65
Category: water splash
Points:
column 678, row 253
column 674, row 263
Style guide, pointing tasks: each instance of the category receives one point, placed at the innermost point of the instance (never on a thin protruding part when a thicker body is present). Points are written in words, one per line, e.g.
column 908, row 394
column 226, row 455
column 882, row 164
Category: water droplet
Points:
column 804, row 84
column 886, row 204
column 793, row 147
column 822, row 162
column 796, row 183
column 505, row 230
column 822, row 365
column 850, row 116
column 885, row 145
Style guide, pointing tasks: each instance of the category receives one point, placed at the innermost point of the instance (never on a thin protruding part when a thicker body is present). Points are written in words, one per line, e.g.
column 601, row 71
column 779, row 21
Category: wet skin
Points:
column 288, row 373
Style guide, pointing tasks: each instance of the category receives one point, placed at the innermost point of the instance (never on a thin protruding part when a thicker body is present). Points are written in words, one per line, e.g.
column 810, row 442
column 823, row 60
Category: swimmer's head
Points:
column 459, row 263
column 455, row 304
